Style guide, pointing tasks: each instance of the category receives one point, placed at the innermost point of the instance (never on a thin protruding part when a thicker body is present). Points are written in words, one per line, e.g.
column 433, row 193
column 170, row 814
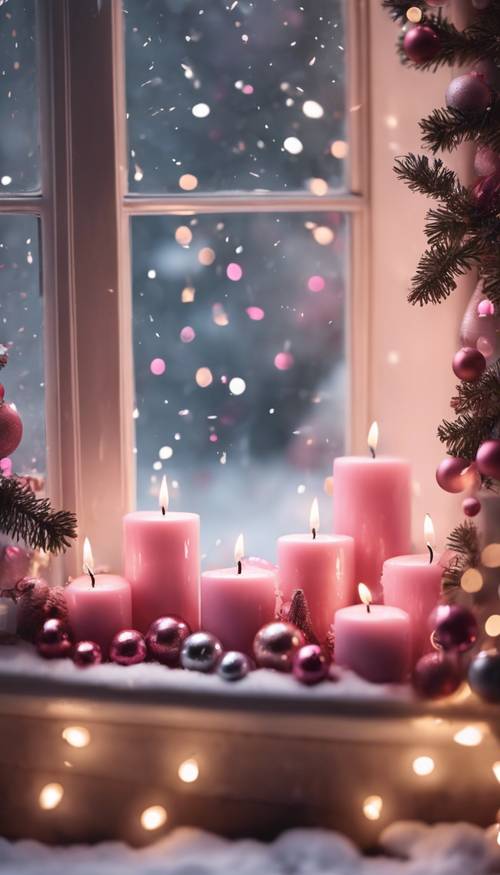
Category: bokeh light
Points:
column 183, row 235
column 237, row 386
column 153, row 817
column 189, row 771
column 423, row 766
column 158, row 367
column 372, row 807
column 187, row 334
column 204, row 378
column 50, row 796
column 76, row 736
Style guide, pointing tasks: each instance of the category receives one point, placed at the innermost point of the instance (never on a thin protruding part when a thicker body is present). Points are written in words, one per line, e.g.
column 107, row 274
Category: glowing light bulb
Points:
column 50, row 796
column 189, row 771
column 423, row 766
column 372, row 807
column 314, row 517
column 163, row 497
column 76, row 736
column 372, row 440
column 153, row 817
column 469, row 736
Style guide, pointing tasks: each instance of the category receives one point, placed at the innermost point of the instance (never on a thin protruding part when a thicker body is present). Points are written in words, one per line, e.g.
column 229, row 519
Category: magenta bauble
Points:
column 86, row 653
column 469, row 364
column 471, row 506
column 11, row 429
column 310, row 665
column 450, row 474
column 437, row 675
column 128, row 648
column 165, row 638
column 486, row 191
column 455, row 628
column 276, row 644
column 421, row 43
column 486, row 161
column 53, row 640
column 469, row 93
column 488, row 459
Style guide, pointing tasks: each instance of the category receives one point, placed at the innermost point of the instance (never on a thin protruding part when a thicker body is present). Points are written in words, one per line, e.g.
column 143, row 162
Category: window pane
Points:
column 240, row 368
column 19, row 143
column 236, row 95
column 21, row 332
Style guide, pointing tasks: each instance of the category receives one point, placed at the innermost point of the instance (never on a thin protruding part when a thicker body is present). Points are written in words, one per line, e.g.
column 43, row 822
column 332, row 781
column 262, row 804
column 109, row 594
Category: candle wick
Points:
column 368, row 608
column 91, row 575
column 239, row 566
column 162, row 510
column 372, row 451
column 431, row 554
column 314, row 533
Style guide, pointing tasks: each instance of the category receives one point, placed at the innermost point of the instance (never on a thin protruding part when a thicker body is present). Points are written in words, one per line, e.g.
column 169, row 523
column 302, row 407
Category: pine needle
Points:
column 25, row 517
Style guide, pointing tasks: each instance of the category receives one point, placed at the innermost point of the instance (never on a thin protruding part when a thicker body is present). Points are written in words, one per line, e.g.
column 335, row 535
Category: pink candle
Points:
column 99, row 605
column 323, row 567
column 236, row 602
column 413, row 583
column 373, row 640
column 372, row 503
column 162, row 563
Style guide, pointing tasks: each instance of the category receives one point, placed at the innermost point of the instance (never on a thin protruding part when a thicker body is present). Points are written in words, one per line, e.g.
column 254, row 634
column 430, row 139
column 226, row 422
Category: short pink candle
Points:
column 323, row 567
column 97, row 612
column 236, row 602
column 372, row 503
column 414, row 584
column 374, row 643
column 162, row 563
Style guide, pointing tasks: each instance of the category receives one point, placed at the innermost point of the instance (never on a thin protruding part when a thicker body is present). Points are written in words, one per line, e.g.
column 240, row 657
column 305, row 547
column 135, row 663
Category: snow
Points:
column 409, row 848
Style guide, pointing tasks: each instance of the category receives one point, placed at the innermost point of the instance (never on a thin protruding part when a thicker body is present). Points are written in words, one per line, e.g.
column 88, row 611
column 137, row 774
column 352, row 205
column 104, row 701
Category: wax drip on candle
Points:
column 88, row 561
column 314, row 518
column 373, row 438
column 164, row 495
column 365, row 596
column 239, row 552
column 429, row 536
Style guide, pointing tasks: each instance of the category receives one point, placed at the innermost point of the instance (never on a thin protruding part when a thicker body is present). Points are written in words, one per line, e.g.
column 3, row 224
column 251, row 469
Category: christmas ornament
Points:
column 37, row 602
column 201, row 652
column 469, row 93
column 86, row 653
column 484, row 675
column 469, row 364
column 486, row 191
column 485, row 308
column 233, row 666
column 14, row 565
column 421, row 43
column 475, row 325
column 488, row 459
column 11, row 429
column 128, row 647
column 450, row 474
column 53, row 640
column 165, row 638
column 455, row 628
column 471, row 506
column 276, row 644
column 436, row 675
column 297, row 613
column 310, row 665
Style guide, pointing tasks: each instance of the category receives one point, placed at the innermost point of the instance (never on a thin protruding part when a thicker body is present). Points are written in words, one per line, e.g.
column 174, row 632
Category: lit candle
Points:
column 162, row 563
column 236, row 602
column 413, row 583
column 373, row 640
column 372, row 503
column 322, row 566
column 99, row 605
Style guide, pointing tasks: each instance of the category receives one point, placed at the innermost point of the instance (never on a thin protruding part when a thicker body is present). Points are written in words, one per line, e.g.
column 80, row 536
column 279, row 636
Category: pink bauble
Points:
column 310, row 665
column 471, row 506
column 469, row 93
column 86, row 653
column 421, row 43
column 485, row 308
column 128, row 647
column 485, row 346
column 455, row 628
column 450, row 475
column 488, row 459
column 276, row 644
column 469, row 364
column 11, row 429
column 437, row 675
column 486, row 161
column 53, row 640
column 165, row 638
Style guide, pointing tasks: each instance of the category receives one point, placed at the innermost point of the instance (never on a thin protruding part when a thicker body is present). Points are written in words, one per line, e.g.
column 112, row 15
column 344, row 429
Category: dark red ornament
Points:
column 165, row 638
column 11, row 429
column 488, row 459
column 486, row 161
column 455, row 628
column 469, row 364
column 86, row 653
column 469, row 93
column 484, row 675
column 436, row 675
column 450, row 475
column 421, row 43
column 276, row 644
column 471, row 506
column 53, row 640
column 128, row 648
column 37, row 602
column 486, row 191
column 310, row 665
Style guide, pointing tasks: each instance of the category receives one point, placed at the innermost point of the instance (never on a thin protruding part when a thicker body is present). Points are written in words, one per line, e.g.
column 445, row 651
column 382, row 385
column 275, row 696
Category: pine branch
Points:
column 443, row 223
column 25, row 517
column 464, row 542
column 482, row 397
column 477, row 41
column 446, row 128
column 438, row 270
column 464, row 436
column 431, row 178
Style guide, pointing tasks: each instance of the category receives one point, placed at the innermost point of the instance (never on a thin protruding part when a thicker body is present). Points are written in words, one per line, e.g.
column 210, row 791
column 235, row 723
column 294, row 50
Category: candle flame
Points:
column 314, row 517
column 364, row 594
column 373, row 435
column 88, row 559
column 429, row 535
column 163, row 499
column 239, row 548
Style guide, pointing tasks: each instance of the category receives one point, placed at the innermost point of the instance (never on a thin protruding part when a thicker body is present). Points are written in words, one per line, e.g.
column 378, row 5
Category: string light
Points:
column 50, row 796
column 76, row 736
column 372, row 807
column 469, row 736
column 492, row 626
column 153, row 817
column 423, row 766
column 189, row 771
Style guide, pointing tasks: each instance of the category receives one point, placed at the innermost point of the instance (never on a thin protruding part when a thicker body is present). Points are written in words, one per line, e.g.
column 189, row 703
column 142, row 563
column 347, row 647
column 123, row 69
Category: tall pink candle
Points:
column 162, row 563
column 323, row 567
column 99, row 605
column 372, row 503
column 236, row 602
column 373, row 641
